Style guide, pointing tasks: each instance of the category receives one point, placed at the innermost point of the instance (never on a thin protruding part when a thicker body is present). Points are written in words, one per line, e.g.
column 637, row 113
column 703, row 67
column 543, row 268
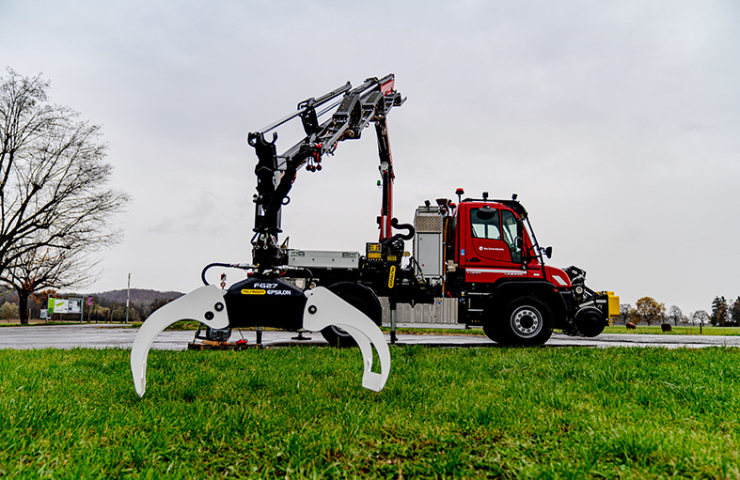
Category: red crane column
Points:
column 387, row 176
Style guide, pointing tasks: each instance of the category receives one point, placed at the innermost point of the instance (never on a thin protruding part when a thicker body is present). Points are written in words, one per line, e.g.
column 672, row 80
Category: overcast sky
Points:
column 617, row 123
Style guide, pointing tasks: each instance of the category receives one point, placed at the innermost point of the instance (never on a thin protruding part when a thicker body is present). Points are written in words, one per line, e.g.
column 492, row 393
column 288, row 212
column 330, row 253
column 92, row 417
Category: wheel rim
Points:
column 526, row 321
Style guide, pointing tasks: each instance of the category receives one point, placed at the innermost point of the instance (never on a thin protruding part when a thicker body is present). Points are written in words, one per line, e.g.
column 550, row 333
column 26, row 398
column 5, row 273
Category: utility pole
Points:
column 128, row 295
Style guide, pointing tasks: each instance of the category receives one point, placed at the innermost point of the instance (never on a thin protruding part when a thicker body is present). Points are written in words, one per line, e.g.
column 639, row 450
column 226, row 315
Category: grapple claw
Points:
column 205, row 305
column 321, row 309
column 324, row 308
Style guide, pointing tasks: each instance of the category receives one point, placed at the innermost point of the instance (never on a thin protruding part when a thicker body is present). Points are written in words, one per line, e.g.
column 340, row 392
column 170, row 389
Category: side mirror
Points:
column 519, row 243
column 548, row 252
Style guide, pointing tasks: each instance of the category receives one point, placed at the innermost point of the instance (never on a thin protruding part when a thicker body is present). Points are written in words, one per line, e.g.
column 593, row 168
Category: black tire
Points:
column 590, row 322
column 527, row 321
column 360, row 297
column 494, row 331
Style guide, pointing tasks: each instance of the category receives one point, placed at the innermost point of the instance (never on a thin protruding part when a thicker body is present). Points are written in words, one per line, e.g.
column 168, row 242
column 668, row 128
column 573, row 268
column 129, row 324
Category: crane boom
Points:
column 355, row 110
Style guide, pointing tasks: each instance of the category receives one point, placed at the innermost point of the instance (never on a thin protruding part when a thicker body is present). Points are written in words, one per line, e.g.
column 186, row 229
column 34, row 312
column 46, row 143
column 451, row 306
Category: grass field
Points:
column 641, row 329
column 679, row 330
column 300, row 413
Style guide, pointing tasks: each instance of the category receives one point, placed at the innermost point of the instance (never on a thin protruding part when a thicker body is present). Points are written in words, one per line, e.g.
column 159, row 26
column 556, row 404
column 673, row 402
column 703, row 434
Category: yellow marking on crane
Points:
column 392, row 276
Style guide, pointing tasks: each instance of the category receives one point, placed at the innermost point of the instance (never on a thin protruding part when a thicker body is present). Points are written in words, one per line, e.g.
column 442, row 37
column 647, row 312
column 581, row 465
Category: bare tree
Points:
column 701, row 317
column 625, row 311
column 54, row 207
column 51, row 268
column 675, row 314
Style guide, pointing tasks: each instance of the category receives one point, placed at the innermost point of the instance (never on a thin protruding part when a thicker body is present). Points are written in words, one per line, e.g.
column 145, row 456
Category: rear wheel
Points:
column 527, row 321
column 360, row 297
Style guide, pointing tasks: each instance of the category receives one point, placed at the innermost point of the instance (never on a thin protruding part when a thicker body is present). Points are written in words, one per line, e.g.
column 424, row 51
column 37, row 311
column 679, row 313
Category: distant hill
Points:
column 140, row 296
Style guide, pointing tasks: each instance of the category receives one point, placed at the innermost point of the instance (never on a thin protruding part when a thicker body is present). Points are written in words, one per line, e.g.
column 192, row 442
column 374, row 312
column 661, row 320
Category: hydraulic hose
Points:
column 400, row 226
column 227, row 265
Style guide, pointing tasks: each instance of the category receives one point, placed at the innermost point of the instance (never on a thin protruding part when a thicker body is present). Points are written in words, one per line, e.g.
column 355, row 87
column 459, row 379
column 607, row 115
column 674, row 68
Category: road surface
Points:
column 121, row 336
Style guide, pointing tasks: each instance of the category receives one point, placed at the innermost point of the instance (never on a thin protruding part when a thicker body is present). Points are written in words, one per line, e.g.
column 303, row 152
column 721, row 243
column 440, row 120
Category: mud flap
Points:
column 324, row 308
column 205, row 305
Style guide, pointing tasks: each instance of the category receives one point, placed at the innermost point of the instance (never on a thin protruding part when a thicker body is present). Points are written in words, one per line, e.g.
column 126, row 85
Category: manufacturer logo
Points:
column 490, row 249
column 259, row 291
column 253, row 291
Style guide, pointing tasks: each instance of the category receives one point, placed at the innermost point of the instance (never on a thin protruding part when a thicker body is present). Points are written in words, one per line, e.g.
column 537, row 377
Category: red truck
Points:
column 479, row 255
column 481, row 252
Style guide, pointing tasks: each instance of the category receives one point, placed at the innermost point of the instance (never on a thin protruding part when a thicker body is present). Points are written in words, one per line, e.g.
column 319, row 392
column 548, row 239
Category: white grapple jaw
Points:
column 323, row 309
column 205, row 305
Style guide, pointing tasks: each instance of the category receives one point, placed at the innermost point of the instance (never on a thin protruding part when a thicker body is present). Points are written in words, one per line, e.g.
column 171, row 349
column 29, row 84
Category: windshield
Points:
column 535, row 248
column 511, row 233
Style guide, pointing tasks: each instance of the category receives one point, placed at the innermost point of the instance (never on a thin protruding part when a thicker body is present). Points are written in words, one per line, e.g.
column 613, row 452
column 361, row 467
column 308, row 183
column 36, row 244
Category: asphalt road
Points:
column 120, row 336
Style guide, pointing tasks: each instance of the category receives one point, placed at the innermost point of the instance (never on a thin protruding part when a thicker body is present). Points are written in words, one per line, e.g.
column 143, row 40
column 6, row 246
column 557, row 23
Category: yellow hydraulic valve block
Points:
column 613, row 304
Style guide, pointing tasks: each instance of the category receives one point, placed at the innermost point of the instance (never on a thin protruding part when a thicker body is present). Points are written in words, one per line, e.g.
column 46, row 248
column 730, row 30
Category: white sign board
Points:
column 65, row 305
column 74, row 305
column 61, row 305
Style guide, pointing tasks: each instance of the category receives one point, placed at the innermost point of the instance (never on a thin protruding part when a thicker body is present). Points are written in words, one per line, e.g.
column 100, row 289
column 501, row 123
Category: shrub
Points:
column 9, row 311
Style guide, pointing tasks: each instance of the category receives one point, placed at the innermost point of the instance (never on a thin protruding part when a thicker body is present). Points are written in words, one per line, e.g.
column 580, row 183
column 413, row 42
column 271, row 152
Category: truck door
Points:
column 488, row 245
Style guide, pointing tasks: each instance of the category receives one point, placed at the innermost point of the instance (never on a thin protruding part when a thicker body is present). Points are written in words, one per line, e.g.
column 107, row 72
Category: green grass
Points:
column 679, row 330
column 445, row 413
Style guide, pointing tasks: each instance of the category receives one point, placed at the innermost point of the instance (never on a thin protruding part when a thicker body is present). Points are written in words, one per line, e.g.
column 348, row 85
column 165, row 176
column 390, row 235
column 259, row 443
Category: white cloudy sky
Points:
column 617, row 123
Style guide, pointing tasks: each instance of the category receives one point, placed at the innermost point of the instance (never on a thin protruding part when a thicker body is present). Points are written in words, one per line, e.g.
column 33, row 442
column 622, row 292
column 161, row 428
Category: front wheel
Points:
column 590, row 321
column 494, row 332
column 360, row 297
column 527, row 321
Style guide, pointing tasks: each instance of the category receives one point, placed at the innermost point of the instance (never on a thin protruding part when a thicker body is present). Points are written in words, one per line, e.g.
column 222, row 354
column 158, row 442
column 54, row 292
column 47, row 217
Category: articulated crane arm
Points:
column 356, row 108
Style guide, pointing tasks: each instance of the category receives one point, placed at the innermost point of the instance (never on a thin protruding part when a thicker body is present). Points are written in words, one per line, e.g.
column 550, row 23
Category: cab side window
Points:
column 484, row 223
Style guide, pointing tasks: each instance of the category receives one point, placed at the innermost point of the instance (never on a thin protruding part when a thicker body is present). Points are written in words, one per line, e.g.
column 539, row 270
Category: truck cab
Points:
column 492, row 243
column 493, row 264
